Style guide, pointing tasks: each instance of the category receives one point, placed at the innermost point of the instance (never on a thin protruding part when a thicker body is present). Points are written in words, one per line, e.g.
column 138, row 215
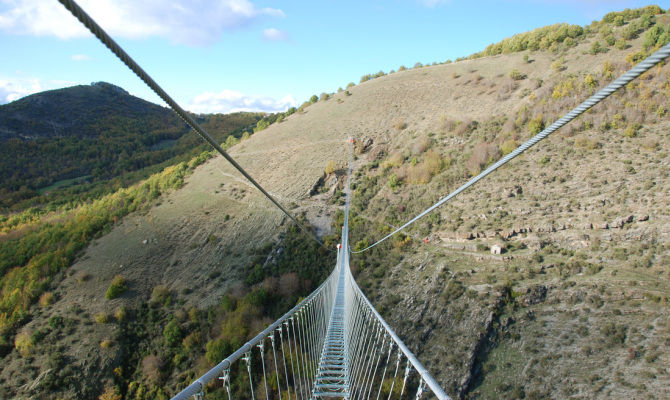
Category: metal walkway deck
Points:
column 332, row 378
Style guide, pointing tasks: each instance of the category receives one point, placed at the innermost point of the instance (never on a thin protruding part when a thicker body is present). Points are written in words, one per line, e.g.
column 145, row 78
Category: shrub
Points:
column 313, row 99
column 482, row 154
column 590, row 82
column 172, row 333
column 191, row 341
column 396, row 159
column 466, row 126
column 536, row 125
column 330, row 167
column 402, row 68
column 289, row 284
column 608, row 73
column 350, row 84
column 621, row 44
column 120, row 314
column 421, row 145
column 152, row 367
column 516, row 75
column 161, row 294
column 596, row 48
column 116, row 288
column 111, row 393
column 394, row 182
column 618, row 20
column 417, row 174
column 433, row 162
column 260, row 125
column 217, row 350
column 636, row 57
column 324, row 97
column 101, row 318
column 508, row 146
column 106, row 343
column 631, row 130
column 24, row 344
column 563, row 88
column 652, row 36
column 558, row 65
column 46, row 299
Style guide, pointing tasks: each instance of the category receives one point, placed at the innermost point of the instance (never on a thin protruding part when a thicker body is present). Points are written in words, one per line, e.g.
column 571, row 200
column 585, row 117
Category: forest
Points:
column 50, row 158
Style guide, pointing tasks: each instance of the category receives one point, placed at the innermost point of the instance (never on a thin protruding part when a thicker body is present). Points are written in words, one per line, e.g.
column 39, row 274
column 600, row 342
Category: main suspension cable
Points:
column 657, row 57
column 97, row 30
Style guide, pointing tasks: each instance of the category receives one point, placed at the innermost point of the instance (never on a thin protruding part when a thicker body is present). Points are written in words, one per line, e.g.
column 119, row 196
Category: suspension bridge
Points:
column 334, row 343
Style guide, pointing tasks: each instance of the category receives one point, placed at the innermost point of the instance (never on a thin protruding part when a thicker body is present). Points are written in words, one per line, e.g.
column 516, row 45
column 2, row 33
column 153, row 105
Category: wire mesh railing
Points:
column 281, row 361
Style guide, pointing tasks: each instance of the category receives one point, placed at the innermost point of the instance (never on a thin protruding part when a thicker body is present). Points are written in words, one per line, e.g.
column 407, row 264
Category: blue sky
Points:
column 230, row 55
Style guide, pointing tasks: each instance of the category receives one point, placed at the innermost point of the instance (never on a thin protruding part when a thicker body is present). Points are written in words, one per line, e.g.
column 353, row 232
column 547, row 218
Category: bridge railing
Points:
column 288, row 349
column 382, row 362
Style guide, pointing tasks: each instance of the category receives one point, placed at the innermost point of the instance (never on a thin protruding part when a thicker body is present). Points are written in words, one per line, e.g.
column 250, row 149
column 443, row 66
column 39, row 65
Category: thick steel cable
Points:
column 107, row 40
column 639, row 69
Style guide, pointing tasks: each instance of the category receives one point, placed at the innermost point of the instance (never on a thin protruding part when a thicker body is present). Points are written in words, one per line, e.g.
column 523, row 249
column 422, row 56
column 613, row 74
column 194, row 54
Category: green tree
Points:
column 172, row 333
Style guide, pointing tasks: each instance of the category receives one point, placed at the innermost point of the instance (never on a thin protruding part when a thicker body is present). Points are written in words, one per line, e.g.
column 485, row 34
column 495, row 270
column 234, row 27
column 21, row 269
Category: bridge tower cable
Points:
column 107, row 40
column 639, row 69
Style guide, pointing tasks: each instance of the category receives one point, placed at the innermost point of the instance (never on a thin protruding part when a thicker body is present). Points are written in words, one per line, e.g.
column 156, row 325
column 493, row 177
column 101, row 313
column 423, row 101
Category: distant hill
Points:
column 92, row 133
column 80, row 111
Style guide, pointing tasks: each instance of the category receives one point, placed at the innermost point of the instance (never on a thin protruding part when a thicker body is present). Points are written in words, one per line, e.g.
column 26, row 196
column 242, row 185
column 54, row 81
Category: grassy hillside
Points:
column 576, row 306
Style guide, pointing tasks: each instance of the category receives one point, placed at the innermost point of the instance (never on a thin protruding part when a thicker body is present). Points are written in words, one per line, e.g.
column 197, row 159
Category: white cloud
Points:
column 275, row 35
column 17, row 87
column 14, row 90
column 80, row 57
column 231, row 101
column 195, row 22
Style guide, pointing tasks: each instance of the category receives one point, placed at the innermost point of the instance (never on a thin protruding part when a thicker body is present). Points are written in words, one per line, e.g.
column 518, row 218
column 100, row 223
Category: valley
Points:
column 576, row 306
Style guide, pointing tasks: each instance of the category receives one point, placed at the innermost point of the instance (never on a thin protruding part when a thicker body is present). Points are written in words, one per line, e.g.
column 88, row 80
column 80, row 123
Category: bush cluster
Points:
column 116, row 288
